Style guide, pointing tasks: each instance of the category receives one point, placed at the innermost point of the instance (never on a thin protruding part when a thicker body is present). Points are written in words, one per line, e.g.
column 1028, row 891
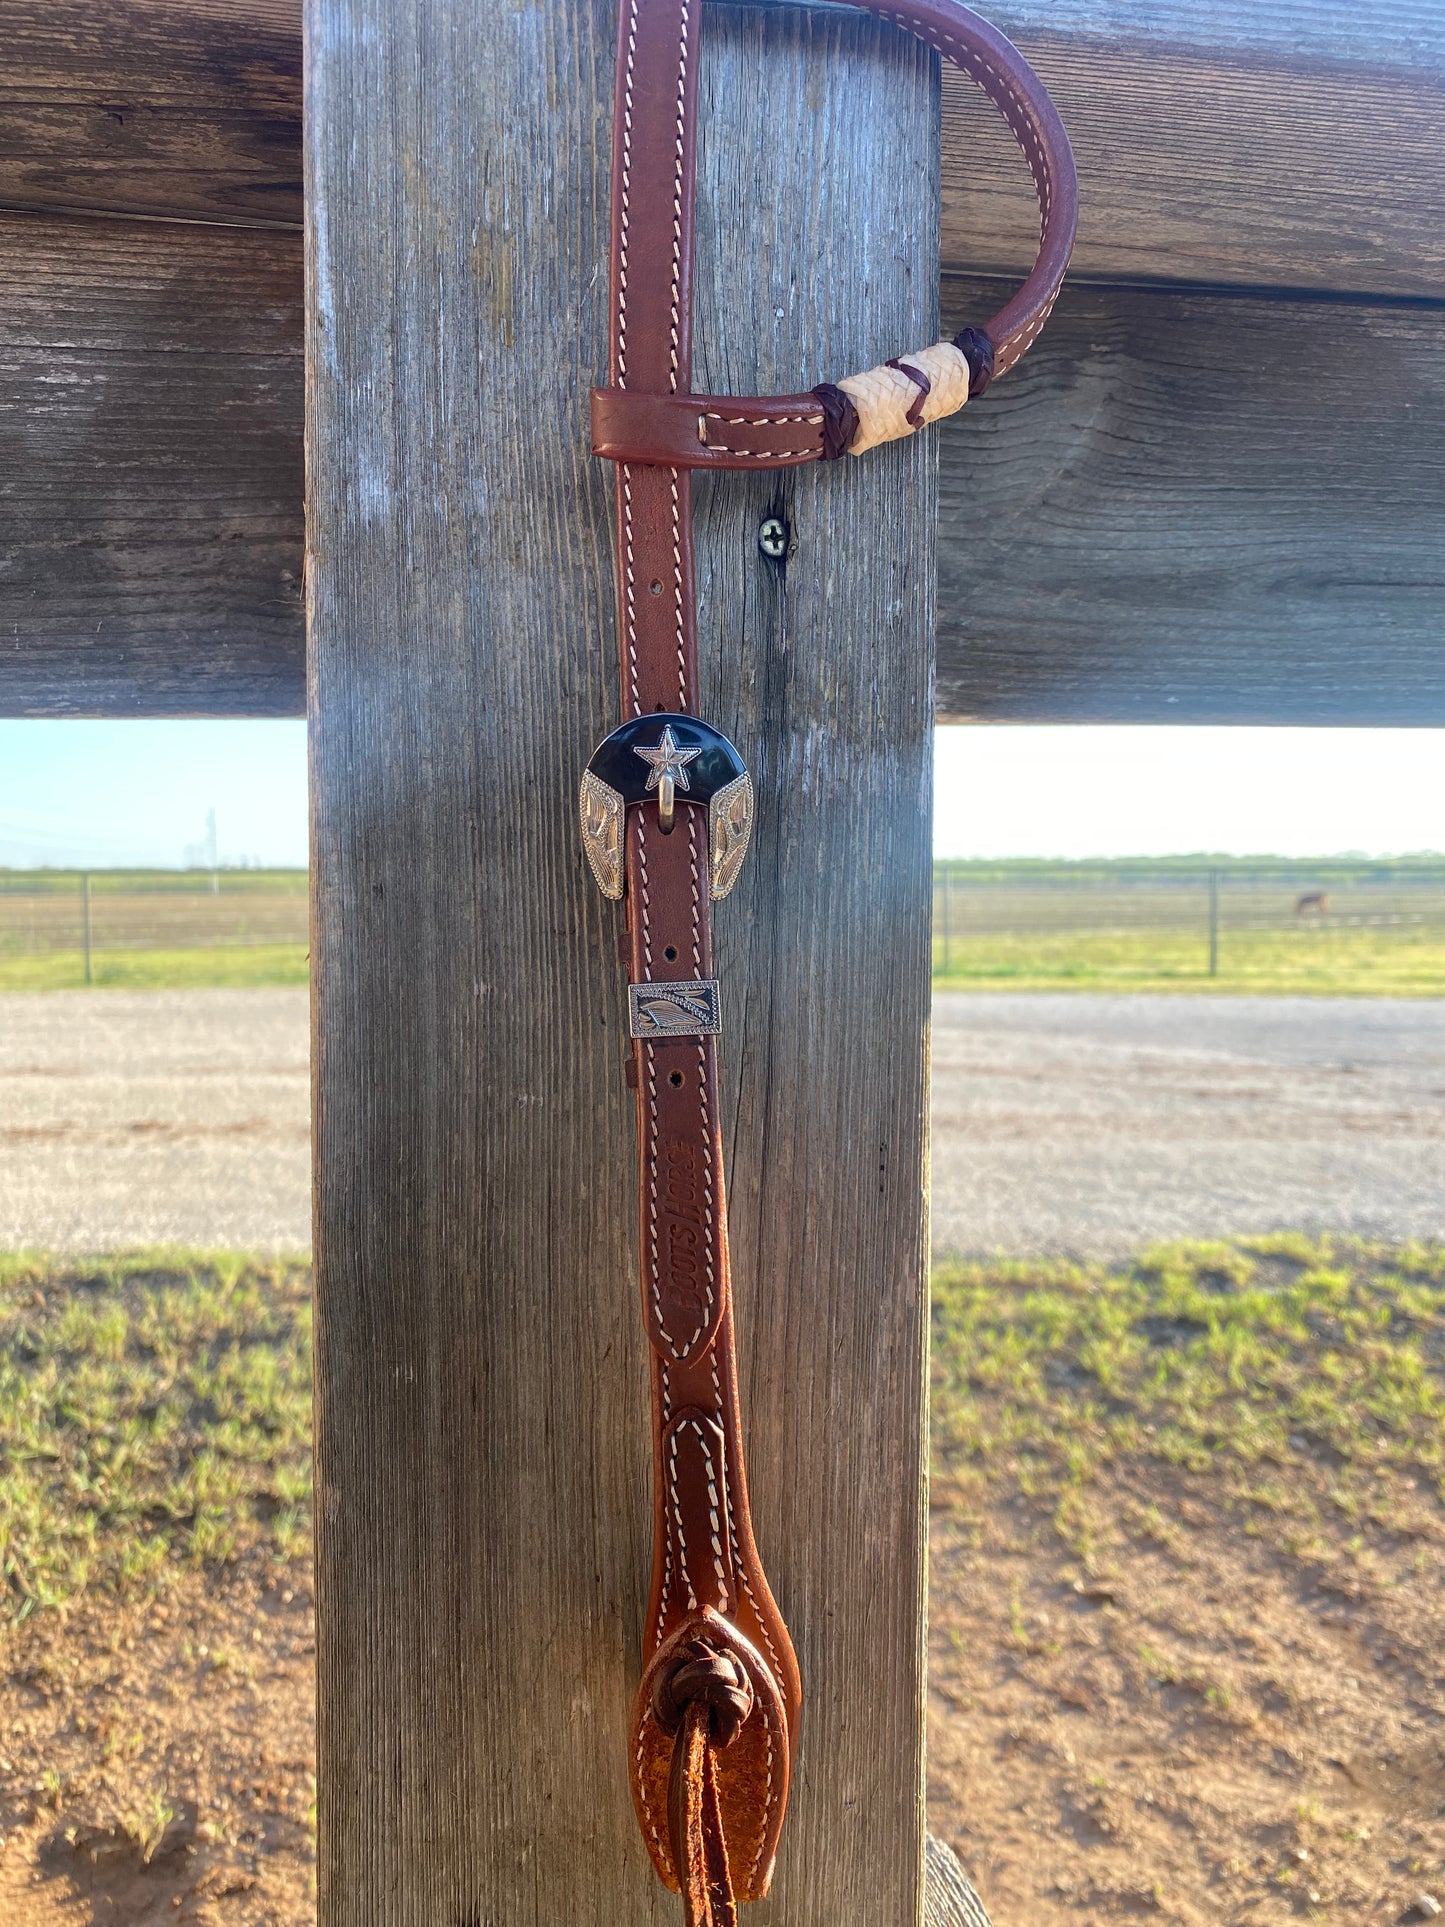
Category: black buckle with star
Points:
column 666, row 759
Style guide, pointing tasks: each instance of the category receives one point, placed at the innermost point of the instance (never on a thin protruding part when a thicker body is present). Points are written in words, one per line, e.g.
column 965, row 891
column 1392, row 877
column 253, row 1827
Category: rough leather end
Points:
column 752, row 1773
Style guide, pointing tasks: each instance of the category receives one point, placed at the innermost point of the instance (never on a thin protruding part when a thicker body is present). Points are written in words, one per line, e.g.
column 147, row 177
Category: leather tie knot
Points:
column 717, row 1679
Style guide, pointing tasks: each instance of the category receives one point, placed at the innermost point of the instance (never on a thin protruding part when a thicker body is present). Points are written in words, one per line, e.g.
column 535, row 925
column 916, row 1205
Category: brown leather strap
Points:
column 707, row 1578
column 665, row 815
column 640, row 420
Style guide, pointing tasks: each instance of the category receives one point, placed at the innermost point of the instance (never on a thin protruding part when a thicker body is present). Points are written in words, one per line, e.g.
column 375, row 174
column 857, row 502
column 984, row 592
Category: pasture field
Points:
column 1186, row 1606
column 1188, row 1534
column 207, row 967
column 1312, row 962
column 1247, row 927
column 155, row 1413
column 152, row 929
column 1255, row 926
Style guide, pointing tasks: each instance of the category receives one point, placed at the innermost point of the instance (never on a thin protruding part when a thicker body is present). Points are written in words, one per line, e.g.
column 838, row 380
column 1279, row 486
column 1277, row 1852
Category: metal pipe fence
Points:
column 89, row 913
column 1207, row 921
column 1029, row 920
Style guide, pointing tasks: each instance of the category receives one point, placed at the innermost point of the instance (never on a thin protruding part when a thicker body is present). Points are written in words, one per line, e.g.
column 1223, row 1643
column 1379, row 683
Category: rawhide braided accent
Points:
column 671, row 427
column 906, row 394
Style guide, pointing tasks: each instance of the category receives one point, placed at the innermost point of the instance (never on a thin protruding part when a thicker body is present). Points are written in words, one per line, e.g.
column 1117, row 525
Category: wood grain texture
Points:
column 184, row 109
column 1192, row 508
column 1243, row 144
column 150, row 470
column 1184, row 508
column 951, row 1899
column 483, row 1454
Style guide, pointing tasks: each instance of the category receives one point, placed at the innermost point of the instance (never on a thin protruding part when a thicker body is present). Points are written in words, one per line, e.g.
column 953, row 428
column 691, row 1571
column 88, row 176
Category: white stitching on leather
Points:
column 740, row 1567
column 768, row 454
column 742, row 1570
column 759, row 421
column 626, row 189
column 629, row 586
column 756, row 421
column 666, row 1536
column 646, row 1796
column 762, row 421
column 677, row 1351
column 719, row 1568
column 767, row 1798
column 677, row 592
column 677, row 1519
column 697, row 903
column 972, row 63
column 674, row 329
column 651, row 1055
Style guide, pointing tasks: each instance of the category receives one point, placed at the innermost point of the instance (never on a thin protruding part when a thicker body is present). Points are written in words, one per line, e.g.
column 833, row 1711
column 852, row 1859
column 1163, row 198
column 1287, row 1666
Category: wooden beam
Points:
column 150, row 470
column 1240, row 143
column 483, row 1497
column 1188, row 508
column 1193, row 507
column 183, row 109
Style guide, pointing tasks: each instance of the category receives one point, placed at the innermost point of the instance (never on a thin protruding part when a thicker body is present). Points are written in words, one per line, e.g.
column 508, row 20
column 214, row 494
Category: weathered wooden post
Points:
column 483, row 1495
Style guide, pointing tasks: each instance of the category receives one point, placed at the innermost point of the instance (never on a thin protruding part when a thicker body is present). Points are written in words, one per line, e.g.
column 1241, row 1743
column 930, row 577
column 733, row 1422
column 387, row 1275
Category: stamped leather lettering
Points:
column 682, row 1259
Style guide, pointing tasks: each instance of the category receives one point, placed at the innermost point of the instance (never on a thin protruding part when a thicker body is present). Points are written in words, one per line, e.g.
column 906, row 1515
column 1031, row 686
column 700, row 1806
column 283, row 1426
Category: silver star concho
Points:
column 668, row 773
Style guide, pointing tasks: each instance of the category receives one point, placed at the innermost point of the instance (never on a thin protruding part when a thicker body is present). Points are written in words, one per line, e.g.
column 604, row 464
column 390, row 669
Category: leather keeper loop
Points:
column 707, row 431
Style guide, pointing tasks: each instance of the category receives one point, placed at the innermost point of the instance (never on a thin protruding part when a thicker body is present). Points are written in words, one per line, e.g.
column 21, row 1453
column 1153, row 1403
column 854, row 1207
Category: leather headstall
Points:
column 666, row 813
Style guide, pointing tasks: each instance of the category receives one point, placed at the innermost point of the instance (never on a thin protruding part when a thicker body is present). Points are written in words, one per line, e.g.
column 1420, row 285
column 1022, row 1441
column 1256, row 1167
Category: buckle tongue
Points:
column 669, row 758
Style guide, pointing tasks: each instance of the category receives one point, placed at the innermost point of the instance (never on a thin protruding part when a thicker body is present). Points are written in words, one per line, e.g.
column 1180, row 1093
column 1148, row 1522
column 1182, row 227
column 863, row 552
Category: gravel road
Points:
column 1073, row 1123
column 1092, row 1124
column 148, row 1117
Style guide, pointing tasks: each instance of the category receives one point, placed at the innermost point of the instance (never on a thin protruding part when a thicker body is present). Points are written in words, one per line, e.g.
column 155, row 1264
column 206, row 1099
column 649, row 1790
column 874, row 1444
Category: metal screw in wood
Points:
column 773, row 538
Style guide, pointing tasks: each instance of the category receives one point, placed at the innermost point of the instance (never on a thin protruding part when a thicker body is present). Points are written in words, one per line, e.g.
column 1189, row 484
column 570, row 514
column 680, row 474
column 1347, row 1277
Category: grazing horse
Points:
column 1313, row 900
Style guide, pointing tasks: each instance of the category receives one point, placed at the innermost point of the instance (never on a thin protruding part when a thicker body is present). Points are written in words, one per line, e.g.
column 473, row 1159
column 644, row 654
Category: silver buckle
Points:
column 672, row 759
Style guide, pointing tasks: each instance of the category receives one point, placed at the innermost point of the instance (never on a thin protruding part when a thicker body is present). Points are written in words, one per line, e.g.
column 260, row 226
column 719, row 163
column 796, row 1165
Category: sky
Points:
column 97, row 794
column 1130, row 791
column 102, row 794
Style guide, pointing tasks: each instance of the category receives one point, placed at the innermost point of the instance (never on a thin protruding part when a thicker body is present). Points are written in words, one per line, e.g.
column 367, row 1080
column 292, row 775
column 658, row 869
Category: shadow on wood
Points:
column 1194, row 508
column 150, row 423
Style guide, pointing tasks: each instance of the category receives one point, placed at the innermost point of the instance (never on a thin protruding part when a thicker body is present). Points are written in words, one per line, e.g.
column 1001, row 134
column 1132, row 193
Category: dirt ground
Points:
column 1095, row 1125
column 1216, row 1734
column 156, row 1760
column 1188, row 1622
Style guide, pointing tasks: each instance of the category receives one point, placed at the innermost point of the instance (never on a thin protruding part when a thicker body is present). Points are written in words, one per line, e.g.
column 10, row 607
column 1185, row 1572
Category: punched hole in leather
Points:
column 666, row 812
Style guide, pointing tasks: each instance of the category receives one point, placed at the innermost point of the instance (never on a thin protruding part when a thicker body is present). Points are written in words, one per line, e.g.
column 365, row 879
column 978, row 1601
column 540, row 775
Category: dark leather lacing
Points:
column 840, row 420
column 705, row 1701
column 920, row 382
column 978, row 351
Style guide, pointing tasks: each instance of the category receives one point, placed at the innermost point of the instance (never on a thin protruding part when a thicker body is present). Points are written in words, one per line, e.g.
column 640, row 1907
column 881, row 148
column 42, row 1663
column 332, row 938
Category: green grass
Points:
column 178, row 883
column 1357, row 963
column 1297, row 962
column 1296, row 1375
column 154, row 1410
column 235, row 966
